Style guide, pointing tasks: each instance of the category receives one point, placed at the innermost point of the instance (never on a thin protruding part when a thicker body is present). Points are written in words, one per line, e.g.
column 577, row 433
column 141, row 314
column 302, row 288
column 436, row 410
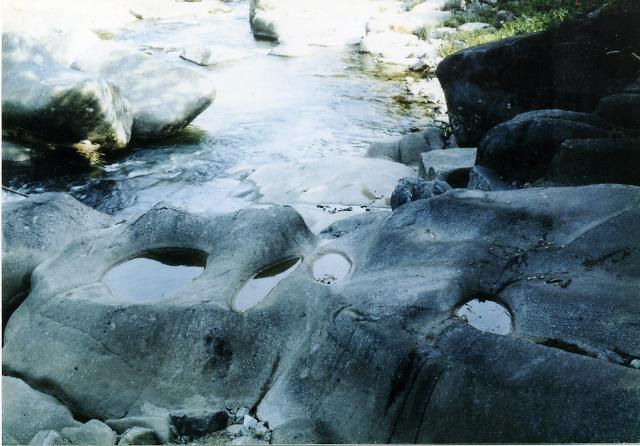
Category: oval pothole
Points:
column 259, row 286
column 154, row 274
column 331, row 267
column 486, row 315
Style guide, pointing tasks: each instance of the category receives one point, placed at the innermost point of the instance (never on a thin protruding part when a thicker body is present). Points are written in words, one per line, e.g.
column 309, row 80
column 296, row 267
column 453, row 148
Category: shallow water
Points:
column 258, row 288
column 486, row 315
column 268, row 109
column 154, row 275
column 330, row 268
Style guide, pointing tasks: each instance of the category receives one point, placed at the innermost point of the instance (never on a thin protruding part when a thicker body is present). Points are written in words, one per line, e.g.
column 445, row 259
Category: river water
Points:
column 268, row 109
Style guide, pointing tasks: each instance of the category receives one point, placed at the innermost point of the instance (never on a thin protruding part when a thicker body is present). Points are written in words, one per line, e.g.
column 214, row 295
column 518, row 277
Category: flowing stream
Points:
column 268, row 109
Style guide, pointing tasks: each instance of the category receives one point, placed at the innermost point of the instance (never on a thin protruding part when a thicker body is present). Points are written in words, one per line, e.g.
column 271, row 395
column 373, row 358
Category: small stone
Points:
column 635, row 363
column 250, row 422
column 198, row 423
column 138, row 435
column 235, row 430
column 240, row 414
column 46, row 438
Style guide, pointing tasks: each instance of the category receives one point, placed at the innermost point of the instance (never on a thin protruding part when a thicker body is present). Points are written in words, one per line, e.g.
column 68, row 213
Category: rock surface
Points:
column 93, row 432
column 574, row 68
column 450, row 165
column 381, row 347
column 57, row 104
column 26, row 412
column 407, row 150
column 33, row 230
column 522, row 149
column 412, row 189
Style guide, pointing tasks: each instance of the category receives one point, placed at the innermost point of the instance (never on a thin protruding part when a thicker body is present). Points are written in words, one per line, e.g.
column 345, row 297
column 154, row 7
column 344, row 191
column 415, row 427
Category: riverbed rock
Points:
column 33, row 230
column 92, row 432
column 621, row 109
column 25, row 411
column 164, row 97
column 449, row 165
column 570, row 66
column 377, row 356
column 47, row 438
column 413, row 188
column 522, row 149
column 194, row 425
column 593, row 161
column 56, row 104
column 159, row 424
column 138, row 435
column 407, row 150
column 485, row 179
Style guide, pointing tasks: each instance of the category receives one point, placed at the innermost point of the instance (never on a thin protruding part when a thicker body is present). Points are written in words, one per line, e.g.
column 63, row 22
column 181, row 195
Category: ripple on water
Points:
column 258, row 288
column 486, row 315
column 155, row 274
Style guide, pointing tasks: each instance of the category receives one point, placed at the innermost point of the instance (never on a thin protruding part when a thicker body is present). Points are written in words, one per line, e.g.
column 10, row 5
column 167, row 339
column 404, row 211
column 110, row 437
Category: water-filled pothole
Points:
column 486, row 315
column 330, row 268
column 154, row 274
column 255, row 290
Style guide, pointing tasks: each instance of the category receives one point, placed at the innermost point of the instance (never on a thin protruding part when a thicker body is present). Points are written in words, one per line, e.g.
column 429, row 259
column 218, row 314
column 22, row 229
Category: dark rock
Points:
column 570, row 66
column 303, row 431
column 450, row 165
column 197, row 424
column 412, row 189
column 484, row 179
column 622, row 110
column 522, row 149
column 594, row 161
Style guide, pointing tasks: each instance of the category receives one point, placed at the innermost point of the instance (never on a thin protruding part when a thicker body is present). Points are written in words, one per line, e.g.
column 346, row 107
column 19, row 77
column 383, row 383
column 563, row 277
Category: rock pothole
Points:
column 331, row 267
column 258, row 288
column 153, row 275
column 486, row 315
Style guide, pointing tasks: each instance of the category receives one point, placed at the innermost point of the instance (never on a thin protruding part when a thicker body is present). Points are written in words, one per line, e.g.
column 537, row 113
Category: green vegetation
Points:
column 528, row 16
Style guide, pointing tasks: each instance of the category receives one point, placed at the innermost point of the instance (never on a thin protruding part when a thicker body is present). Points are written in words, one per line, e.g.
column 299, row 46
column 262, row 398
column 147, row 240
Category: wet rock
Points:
column 594, row 161
column 568, row 67
column 363, row 359
column 522, row 149
column 92, row 432
column 407, row 149
column 197, row 424
column 56, row 104
column 287, row 49
column 34, row 229
column 160, row 425
column 169, row 98
column 47, row 438
column 484, row 179
column 25, row 411
column 138, row 435
column 450, row 165
column 412, row 189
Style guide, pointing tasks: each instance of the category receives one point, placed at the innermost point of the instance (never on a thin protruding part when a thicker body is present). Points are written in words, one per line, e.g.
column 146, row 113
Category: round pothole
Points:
column 486, row 315
column 330, row 268
column 154, row 274
column 258, row 288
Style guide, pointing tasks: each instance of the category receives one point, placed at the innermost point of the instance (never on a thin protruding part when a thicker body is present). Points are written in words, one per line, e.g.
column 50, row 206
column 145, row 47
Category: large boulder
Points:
column 383, row 353
column 522, row 149
column 570, row 66
column 57, row 104
column 25, row 411
column 164, row 97
column 33, row 230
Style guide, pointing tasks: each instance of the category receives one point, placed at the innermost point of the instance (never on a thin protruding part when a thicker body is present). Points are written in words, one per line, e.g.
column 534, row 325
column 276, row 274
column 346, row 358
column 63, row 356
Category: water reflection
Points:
column 486, row 315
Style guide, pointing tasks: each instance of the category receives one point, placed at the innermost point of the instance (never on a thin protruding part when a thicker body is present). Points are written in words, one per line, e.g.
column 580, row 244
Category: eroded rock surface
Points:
column 378, row 356
column 33, row 230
